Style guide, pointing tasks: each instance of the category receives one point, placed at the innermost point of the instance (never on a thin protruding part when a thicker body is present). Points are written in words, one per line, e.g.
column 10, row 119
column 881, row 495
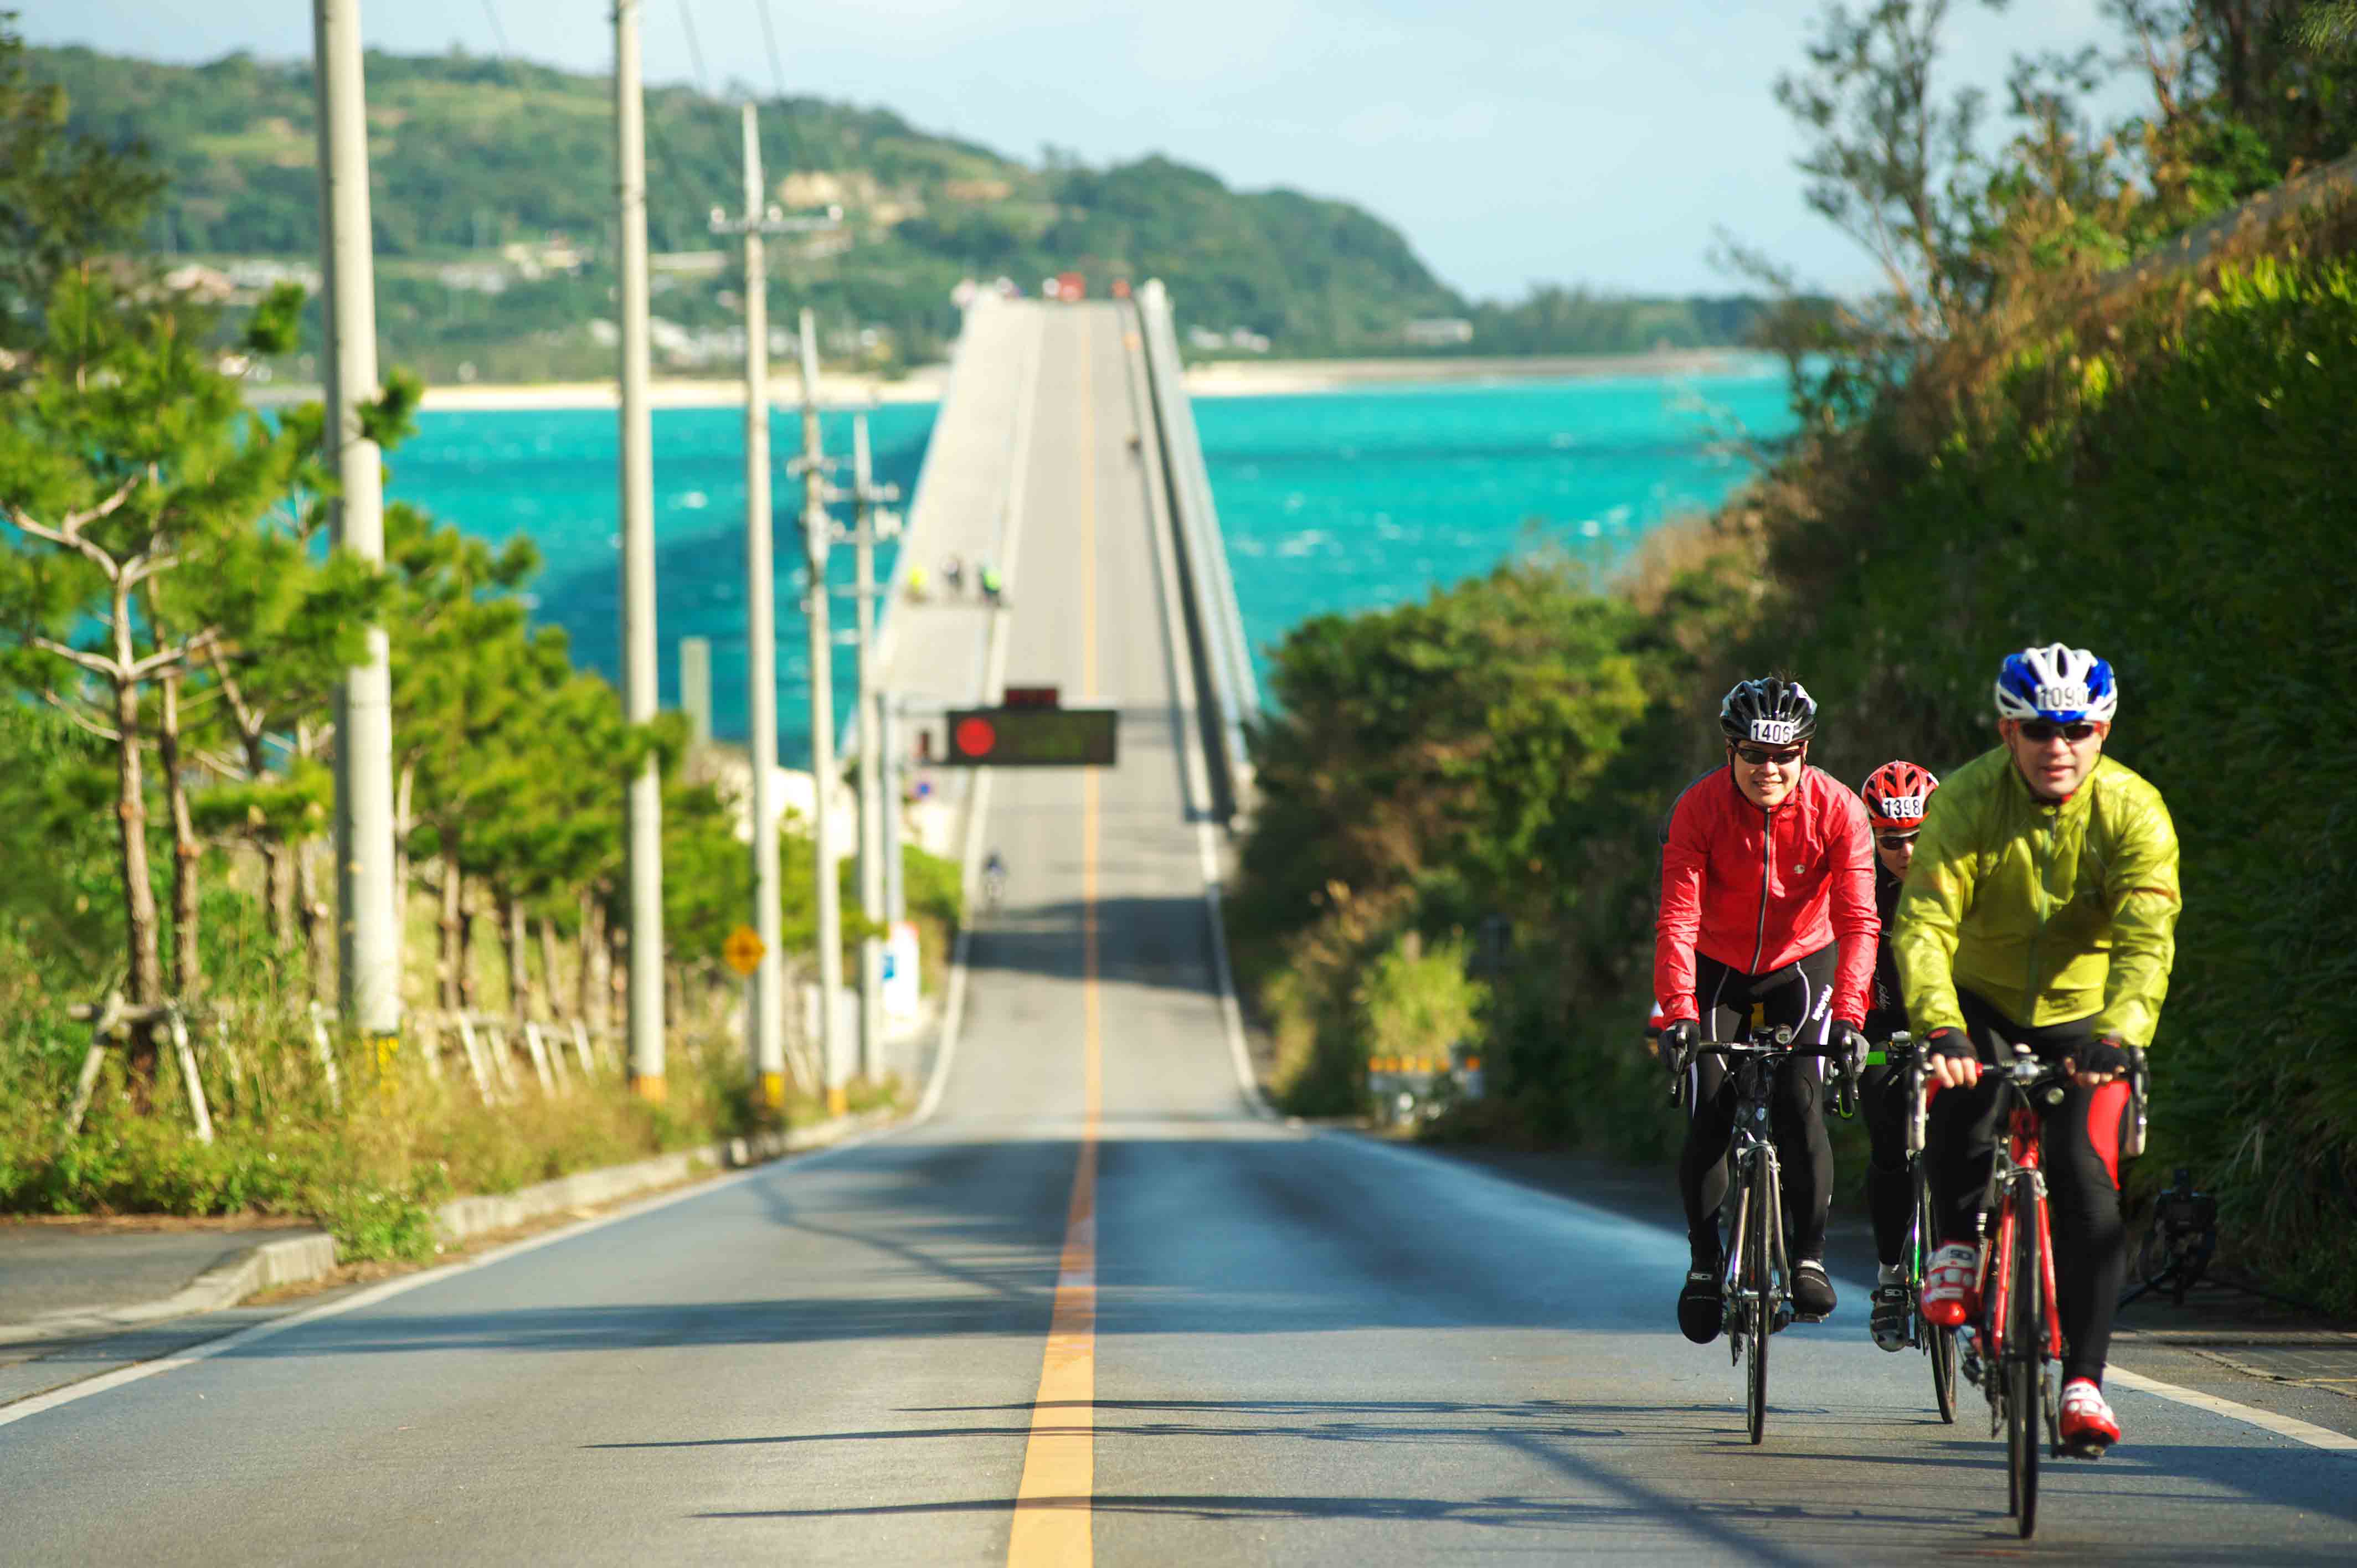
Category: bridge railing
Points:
column 1231, row 691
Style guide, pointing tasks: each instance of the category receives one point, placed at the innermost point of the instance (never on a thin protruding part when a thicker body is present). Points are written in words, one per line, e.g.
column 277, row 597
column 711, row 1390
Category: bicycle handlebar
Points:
column 1766, row 1043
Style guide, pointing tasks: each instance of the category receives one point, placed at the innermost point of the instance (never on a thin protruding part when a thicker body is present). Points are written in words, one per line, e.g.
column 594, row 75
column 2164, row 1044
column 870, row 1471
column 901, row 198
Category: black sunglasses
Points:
column 2039, row 731
column 1895, row 841
column 1760, row 756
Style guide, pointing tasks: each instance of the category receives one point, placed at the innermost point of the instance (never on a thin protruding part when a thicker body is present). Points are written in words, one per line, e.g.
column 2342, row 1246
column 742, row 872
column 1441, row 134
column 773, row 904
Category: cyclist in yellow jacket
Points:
column 2042, row 911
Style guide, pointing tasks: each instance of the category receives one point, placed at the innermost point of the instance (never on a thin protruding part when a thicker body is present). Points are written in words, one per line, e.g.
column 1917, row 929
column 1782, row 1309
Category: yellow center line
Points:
column 1053, row 1501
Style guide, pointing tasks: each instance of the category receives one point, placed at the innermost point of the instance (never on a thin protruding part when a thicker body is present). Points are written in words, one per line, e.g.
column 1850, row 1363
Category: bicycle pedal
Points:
column 2086, row 1449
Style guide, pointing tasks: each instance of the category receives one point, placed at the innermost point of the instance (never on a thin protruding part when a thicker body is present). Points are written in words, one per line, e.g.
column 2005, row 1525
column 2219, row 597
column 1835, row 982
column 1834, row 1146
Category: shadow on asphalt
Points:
column 1538, row 1429
column 1162, row 942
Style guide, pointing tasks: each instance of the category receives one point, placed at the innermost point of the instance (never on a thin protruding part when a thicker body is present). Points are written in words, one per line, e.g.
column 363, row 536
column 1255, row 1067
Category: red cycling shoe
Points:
column 2089, row 1427
column 1951, row 1292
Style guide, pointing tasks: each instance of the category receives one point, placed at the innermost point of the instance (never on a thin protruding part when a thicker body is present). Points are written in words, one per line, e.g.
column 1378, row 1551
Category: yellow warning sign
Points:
column 742, row 950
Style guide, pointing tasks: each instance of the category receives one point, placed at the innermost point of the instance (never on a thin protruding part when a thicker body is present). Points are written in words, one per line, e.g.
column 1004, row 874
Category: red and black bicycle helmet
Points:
column 1895, row 794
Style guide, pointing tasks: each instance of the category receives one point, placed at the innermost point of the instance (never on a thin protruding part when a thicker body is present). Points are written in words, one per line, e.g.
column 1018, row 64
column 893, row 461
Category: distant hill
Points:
column 493, row 189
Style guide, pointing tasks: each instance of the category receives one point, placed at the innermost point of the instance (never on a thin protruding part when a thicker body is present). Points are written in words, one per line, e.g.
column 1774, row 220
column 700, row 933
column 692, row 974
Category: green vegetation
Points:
column 469, row 156
column 2002, row 450
column 172, row 626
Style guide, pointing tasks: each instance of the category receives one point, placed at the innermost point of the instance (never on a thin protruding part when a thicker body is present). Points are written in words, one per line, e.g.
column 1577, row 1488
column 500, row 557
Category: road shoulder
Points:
column 2222, row 1343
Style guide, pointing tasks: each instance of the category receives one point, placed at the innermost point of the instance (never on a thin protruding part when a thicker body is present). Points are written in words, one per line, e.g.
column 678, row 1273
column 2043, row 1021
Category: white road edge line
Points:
column 1196, row 784
column 12, row 1413
column 2292, row 1427
column 993, row 679
column 2289, row 1426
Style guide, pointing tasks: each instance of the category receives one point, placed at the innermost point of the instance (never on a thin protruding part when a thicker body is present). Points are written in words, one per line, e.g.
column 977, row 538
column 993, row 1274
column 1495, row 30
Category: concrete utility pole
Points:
column 873, row 523
column 695, row 688
column 765, row 1019
column 887, row 745
column 646, row 978
column 368, row 925
column 818, row 533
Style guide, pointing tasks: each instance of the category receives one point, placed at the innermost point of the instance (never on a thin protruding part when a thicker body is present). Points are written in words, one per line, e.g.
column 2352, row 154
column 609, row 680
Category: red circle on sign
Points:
column 975, row 737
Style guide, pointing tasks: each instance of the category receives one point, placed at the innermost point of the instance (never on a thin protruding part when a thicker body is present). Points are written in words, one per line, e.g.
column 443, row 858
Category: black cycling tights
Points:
column 2082, row 1177
column 1889, row 1194
column 1798, row 995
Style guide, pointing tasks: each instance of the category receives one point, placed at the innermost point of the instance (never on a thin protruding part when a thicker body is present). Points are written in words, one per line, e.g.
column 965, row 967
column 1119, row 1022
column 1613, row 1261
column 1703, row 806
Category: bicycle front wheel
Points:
column 2025, row 1353
column 1758, row 1273
column 1938, row 1341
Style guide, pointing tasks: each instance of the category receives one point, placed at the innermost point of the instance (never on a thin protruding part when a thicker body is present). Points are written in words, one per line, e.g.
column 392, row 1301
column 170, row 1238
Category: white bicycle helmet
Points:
column 2064, row 686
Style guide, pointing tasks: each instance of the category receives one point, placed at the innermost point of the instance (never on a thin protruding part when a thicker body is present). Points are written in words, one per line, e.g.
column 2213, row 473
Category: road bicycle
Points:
column 1756, row 1286
column 2015, row 1351
column 994, row 888
column 1904, row 1056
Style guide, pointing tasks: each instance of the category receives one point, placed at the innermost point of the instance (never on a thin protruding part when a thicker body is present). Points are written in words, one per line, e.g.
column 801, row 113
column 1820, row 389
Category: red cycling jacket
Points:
column 1758, row 890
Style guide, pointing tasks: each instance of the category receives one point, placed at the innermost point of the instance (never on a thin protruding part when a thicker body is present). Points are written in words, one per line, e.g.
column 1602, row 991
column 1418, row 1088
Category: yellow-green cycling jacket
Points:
column 2051, row 912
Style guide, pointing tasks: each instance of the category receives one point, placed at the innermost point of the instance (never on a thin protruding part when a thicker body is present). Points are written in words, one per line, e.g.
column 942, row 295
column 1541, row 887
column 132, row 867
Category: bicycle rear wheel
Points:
column 1937, row 1342
column 2025, row 1352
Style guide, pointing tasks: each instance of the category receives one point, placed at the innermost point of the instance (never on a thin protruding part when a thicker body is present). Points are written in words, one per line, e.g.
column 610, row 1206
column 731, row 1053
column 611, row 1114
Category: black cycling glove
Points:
column 1952, row 1042
column 2107, row 1055
column 1678, row 1038
column 1851, row 1042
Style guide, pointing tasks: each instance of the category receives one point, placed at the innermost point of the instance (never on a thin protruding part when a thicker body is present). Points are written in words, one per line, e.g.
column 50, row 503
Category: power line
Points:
column 694, row 50
column 769, row 37
column 499, row 35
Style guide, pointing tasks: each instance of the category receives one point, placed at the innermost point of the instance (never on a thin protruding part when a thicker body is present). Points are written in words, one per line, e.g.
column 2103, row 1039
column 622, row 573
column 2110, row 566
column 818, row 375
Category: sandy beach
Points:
column 1219, row 378
column 1267, row 378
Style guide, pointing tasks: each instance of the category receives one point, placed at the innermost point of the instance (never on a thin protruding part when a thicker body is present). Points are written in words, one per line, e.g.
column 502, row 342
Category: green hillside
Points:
column 479, row 165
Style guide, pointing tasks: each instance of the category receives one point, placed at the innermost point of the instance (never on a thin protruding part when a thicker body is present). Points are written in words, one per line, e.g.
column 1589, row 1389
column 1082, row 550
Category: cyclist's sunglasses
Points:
column 1760, row 756
column 2037, row 731
column 1895, row 841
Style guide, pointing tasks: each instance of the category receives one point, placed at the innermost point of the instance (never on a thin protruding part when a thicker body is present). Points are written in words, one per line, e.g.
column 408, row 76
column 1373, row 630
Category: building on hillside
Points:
column 1437, row 332
column 206, row 286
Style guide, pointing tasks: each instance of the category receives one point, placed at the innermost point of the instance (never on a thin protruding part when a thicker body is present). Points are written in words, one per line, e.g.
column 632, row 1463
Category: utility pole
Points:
column 888, row 750
column 368, row 925
column 638, row 478
column 872, row 523
column 765, row 1019
column 818, row 533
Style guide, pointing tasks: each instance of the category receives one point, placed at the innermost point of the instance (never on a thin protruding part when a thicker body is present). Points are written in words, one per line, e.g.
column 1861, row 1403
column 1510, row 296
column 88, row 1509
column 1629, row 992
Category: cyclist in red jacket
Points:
column 1767, row 865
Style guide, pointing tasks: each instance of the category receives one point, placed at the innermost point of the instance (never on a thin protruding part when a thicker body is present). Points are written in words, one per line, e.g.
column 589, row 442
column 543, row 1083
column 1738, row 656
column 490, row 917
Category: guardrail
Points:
column 489, row 1045
column 1215, row 625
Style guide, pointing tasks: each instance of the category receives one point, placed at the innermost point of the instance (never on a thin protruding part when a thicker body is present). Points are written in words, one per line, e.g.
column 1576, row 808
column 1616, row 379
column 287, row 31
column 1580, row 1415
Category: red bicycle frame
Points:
column 2024, row 1137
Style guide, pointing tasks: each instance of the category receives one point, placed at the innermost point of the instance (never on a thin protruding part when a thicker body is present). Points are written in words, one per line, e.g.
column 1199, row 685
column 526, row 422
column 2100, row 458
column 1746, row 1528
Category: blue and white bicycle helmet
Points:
column 2063, row 685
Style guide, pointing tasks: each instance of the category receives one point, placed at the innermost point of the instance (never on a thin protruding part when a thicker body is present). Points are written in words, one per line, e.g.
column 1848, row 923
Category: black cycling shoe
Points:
column 1893, row 1306
column 1700, row 1314
column 1813, row 1294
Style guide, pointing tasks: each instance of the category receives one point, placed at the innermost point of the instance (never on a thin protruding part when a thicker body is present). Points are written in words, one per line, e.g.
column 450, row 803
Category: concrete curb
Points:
column 292, row 1261
column 464, row 1217
column 299, row 1260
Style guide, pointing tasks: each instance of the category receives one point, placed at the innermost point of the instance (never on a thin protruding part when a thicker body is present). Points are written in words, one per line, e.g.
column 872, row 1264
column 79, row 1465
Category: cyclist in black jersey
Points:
column 1894, row 795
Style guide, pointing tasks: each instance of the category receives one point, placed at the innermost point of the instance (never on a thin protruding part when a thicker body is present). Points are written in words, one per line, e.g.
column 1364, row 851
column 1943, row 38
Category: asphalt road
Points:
column 1096, row 1302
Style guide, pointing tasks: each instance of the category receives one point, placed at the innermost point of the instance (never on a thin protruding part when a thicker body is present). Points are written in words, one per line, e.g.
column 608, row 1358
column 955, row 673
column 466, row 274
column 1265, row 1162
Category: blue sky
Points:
column 1512, row 141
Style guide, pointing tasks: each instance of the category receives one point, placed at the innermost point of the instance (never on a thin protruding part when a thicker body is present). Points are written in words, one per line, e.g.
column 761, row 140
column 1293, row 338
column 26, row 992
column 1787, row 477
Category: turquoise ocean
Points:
column 1330, row 501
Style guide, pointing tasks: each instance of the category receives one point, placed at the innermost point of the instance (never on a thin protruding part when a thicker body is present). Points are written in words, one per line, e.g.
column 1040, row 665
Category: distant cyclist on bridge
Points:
column 1767, row 865
column 2042, row 911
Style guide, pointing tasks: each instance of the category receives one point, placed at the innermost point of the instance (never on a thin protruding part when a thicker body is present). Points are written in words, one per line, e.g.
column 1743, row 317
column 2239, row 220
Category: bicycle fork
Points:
column 1758, row 1180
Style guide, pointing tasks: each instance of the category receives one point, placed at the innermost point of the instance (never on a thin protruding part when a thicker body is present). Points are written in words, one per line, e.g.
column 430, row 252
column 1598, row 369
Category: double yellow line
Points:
column 1052, row 1503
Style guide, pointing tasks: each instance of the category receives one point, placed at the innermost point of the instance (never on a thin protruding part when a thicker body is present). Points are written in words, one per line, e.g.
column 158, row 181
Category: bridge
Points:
column 1095, row 1298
